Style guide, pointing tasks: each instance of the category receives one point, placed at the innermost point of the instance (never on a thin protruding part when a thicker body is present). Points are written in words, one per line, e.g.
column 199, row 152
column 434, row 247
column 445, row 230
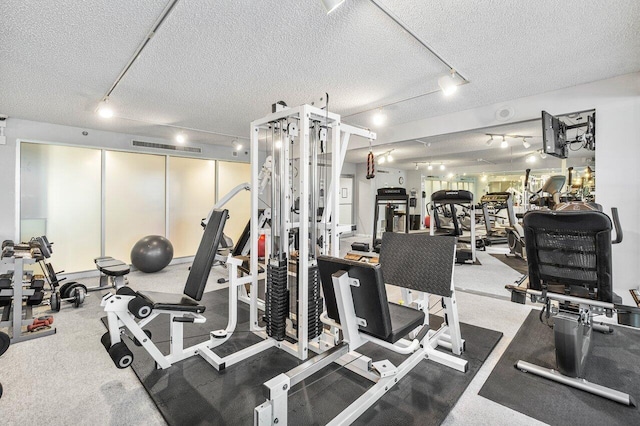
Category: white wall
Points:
column 617, row 104
column 45, row 132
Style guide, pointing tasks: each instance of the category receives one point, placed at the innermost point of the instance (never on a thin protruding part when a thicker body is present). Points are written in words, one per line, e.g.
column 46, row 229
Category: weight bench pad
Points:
column 403, row 321
column 114, row 268
column 173, row 302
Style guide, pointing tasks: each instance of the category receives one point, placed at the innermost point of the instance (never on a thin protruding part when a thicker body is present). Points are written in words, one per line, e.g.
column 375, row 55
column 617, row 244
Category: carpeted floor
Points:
column 192, row 392
column 614, row 362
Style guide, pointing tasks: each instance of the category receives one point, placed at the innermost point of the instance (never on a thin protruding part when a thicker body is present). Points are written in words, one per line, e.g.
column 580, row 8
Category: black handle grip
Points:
column 526, row 178
column 616, row 225
column 570, row 177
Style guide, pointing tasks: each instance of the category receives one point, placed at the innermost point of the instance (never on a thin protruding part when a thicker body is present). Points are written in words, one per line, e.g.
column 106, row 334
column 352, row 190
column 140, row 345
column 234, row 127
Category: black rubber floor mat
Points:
column 194, row 393
column 513, row 262
column 614, row 362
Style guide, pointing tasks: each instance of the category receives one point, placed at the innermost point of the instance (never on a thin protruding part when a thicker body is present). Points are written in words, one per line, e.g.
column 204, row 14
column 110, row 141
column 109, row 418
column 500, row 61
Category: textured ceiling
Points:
column 468, row 152
column 217, row 65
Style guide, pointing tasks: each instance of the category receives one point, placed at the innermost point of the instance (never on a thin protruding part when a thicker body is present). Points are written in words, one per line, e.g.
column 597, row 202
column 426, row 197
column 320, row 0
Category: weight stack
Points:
column 315, row 304
column 277, row 300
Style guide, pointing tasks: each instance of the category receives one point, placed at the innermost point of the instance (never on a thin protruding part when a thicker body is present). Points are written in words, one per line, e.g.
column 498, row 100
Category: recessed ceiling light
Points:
column 181, row 138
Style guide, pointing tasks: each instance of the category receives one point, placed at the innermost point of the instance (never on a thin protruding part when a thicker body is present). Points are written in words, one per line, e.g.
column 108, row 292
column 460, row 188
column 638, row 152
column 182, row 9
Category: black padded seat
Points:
column 112, row 267
column 173, row 302
column 403, row 321
column 115, row 270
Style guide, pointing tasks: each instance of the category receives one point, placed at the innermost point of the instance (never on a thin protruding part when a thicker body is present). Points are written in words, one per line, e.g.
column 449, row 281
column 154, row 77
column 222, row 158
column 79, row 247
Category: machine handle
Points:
column 570, row 177
column 526, row 178
column 616, row 225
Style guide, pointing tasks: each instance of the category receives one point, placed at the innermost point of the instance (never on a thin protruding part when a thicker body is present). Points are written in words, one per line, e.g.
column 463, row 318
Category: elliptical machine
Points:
column 552, row 187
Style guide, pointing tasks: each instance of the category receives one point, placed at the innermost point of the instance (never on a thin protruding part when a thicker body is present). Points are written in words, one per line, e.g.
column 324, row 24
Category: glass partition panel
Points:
column 191, row 196
column 60, row 197
column 229, row 176
column 134, row 200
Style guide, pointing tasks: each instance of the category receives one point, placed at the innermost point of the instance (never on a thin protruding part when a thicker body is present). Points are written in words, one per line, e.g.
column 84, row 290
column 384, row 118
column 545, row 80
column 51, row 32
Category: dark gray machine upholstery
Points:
column 386, row 321
column 199, row 273
column 418, row 261
column 572, row 248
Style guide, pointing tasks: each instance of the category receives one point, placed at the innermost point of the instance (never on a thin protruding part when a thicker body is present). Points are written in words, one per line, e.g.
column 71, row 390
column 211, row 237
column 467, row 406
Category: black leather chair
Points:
column 569, row 260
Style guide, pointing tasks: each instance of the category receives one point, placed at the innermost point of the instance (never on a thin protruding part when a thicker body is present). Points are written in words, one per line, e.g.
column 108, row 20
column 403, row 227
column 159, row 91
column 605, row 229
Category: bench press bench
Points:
column 112, row 273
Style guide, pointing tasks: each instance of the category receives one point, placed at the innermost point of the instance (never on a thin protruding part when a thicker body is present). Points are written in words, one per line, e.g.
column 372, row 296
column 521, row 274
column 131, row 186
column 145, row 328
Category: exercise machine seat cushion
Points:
column 112, row 267
column 403, row 321
column 173, row 302
column 572, row 248
column 385, row 321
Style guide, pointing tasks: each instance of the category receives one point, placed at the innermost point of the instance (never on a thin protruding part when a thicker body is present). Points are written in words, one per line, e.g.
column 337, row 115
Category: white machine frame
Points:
column 116, row 305
column 384, row 375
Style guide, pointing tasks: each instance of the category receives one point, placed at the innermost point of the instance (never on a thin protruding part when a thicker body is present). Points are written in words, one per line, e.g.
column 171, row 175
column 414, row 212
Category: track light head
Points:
column 504, row 143
column 448, row 83
column 490, row 141
column 104, row 110
column 331, row 5
column 525, row 144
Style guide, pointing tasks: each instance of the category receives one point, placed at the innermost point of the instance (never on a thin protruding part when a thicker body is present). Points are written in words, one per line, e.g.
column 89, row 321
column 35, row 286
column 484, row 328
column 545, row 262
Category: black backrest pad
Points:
column 197, row 280
column 418, row 261
column 570, row 247
column 369, row 299
column 455, row 196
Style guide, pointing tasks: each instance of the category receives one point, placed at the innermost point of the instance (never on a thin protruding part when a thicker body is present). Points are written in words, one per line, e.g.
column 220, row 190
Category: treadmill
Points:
column 391, row 199
column 465, row 253
column 499, row 201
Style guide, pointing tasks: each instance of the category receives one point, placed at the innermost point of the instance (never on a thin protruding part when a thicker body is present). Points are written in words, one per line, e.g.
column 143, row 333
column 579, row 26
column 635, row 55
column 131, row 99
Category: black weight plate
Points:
column 55, row 301
column 64, row 289
column 5, row 341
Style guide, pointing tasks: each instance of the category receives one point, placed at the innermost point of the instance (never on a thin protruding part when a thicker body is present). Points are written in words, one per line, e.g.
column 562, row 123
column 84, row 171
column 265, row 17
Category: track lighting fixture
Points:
column 236, row 145
column 448, row 83
column 381, row 160
column 416, row 166
column 385, row 157
column 442, row 166
column 104, row 110
column 379, row 118
column 525, row 144
column 543, row 155
column 490, row 141
column 331, row 5
column 504, row 143
column 429, row 167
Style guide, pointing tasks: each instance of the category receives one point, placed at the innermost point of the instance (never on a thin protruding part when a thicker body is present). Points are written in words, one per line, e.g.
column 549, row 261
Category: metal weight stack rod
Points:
column 277, row 293
column 314, row 299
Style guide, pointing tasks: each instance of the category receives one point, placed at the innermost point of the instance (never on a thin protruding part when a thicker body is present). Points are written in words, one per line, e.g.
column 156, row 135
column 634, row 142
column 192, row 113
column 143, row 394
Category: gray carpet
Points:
column 614, row 362
column 192, row 392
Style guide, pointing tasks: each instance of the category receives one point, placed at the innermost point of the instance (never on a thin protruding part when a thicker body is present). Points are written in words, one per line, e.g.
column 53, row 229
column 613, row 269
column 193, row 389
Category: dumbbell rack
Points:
column 16, row 322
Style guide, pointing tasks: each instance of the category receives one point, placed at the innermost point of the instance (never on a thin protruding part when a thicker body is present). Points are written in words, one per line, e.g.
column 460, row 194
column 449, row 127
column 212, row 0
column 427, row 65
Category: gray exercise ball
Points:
column 152, row 253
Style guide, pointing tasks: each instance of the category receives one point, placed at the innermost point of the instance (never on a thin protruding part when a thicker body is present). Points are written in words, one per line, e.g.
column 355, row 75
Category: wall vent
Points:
column 143, row 144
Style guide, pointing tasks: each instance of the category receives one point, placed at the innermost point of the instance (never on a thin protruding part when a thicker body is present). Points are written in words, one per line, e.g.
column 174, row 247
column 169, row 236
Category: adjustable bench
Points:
column 127, row 305
column 112, row 273
column 356, row 300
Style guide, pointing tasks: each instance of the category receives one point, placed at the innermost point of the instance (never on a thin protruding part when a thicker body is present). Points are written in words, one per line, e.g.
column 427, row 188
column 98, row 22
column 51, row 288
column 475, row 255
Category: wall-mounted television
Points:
column 554, row 136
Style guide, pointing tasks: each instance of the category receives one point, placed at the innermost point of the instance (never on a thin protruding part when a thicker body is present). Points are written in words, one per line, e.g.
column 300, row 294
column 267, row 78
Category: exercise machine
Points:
column 131, row 310
column 392, row 199
column 5, row 341
column 569, row 258
column 357, row 305
column 304, row 132
column 452, row 198
column 515, row 233
column 492, row 204
column 549, row 195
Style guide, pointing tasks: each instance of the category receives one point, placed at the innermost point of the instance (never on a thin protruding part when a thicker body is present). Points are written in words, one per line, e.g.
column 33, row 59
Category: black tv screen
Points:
column 554, row 136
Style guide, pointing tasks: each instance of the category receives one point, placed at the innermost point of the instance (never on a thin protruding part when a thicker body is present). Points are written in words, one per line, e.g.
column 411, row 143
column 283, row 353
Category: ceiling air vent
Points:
column 143, row 144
